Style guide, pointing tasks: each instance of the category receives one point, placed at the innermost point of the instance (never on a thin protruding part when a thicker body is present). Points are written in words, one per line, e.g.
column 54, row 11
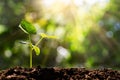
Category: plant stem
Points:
column 39, row 41
column 30, row 52
column 31, row 58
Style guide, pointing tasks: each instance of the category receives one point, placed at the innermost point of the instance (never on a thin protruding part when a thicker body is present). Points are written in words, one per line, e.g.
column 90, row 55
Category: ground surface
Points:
column 37, row 73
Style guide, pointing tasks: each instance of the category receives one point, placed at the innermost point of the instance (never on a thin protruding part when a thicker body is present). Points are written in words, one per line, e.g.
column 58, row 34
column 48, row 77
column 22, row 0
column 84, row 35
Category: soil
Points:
column 38, row 73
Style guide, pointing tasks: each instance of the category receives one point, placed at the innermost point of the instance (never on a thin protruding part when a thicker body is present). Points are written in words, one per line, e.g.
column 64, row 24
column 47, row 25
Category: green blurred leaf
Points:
column 2, row 28
column 27, row 27
column 36, row 49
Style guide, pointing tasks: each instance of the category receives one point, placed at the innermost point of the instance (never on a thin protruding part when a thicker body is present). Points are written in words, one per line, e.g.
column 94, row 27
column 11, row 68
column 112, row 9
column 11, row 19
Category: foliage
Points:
column 29, row 29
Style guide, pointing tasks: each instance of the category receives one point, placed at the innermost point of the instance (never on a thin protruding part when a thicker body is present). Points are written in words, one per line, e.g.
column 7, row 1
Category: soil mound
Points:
column 38, row 73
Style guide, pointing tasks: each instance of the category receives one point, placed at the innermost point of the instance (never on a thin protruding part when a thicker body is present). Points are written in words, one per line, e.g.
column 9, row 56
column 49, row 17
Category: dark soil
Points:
column 37, row 73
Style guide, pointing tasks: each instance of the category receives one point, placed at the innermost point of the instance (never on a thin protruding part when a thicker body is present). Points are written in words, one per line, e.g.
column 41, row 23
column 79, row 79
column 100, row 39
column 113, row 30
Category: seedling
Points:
column 29, row 29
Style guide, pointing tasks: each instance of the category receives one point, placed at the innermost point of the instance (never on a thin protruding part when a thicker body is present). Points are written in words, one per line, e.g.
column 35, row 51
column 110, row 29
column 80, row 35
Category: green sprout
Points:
column 29, row 29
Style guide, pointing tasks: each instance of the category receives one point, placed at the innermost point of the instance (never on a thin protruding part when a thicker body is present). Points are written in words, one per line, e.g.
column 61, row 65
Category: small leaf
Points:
column 27, row 27
column 36, row 49
column 43, row 35
column 46, row 36
column 52, row 37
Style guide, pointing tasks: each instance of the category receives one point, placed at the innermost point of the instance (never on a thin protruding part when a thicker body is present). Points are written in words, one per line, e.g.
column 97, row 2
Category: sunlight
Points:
column 79, row 16
column 53, row 7
column 76, row 2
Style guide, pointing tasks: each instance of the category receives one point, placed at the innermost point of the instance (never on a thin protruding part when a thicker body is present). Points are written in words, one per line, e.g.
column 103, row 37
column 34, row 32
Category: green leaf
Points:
column 46, row 36
column 27, row 27
column 52, row 37
column 43, row 35
column 36, row 49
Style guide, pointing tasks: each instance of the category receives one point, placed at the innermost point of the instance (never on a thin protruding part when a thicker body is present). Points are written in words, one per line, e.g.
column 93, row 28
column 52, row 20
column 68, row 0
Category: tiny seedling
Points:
column 29, row 29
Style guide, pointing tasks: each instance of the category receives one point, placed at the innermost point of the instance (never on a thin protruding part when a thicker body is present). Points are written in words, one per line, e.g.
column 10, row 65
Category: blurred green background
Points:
column 88, row 33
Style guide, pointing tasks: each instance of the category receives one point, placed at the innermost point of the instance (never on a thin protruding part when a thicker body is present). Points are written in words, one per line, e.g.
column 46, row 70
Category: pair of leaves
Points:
column 27, row 27
column 36, row 49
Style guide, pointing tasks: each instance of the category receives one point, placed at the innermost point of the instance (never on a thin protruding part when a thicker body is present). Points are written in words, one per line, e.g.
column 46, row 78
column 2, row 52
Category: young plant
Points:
column 29, row 29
